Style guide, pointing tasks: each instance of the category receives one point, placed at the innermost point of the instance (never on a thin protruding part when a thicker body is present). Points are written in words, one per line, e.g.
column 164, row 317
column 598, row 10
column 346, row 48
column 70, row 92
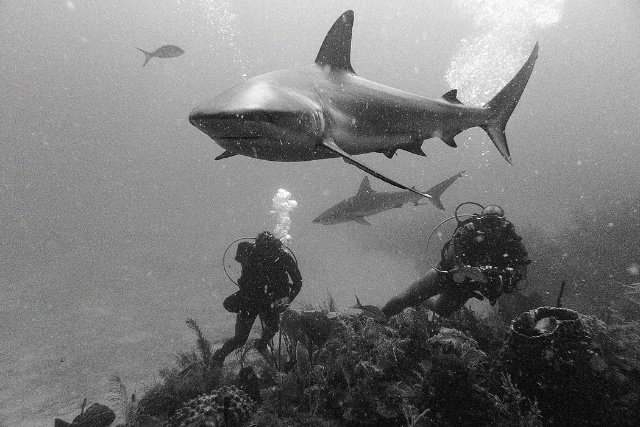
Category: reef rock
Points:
column 227, row 406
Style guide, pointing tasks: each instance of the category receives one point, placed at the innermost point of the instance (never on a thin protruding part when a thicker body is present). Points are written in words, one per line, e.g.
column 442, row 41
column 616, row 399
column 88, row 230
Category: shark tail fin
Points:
column 437, row 202
column 437, row 190
column 504, row 102
column 147, row 56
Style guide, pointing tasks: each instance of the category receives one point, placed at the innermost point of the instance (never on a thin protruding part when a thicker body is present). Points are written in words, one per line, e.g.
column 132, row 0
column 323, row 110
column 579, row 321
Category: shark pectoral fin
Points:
column 331, row 145
column 225, row 155
column 360, row 220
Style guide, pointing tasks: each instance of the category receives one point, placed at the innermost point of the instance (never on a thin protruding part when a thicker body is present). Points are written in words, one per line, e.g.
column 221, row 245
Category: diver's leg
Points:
column 270, row 325
column 449, row 301
column 244, row 322
column 415, row 294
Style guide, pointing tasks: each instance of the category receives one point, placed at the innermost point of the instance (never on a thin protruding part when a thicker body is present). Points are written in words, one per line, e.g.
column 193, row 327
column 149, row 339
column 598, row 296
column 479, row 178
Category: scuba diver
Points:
column 265, row 291
column 484, row 258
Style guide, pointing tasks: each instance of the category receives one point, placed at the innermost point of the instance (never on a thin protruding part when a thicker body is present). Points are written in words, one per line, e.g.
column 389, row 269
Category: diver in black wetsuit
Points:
column 265, row 291
column 484, row 259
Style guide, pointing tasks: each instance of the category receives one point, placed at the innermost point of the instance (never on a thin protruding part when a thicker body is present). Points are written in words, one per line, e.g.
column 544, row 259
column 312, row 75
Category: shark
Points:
column 369, row 202
column 325, row 110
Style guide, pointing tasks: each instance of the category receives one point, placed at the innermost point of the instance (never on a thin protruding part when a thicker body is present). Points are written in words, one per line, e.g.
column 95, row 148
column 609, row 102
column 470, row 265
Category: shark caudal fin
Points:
column 147, row 56
column 502, row 105
column 437, row 190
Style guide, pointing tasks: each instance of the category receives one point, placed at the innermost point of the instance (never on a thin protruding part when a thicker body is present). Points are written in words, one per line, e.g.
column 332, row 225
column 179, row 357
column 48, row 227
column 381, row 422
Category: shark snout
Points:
column 229, row 124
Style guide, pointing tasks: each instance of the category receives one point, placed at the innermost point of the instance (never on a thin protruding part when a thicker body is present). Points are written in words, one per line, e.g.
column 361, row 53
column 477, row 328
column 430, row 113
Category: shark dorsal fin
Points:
column 365, row 188
column 452, row 97
column 335, row 51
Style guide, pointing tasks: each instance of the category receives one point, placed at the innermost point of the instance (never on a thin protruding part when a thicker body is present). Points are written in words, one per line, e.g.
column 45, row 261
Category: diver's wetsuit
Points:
column 491, row 244
column 475, row 243
column 264, row 280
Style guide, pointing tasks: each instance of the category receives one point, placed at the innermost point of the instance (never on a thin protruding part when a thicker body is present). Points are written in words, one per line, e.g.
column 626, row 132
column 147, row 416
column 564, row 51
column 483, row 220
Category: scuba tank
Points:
column 249, row 239
column 459, row 224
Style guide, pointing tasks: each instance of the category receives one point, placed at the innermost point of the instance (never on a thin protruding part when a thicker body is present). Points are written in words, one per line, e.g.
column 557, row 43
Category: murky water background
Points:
column 114, row 214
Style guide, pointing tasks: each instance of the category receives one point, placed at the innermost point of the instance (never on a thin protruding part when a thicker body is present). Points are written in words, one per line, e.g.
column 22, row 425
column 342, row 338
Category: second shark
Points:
column 369, row 202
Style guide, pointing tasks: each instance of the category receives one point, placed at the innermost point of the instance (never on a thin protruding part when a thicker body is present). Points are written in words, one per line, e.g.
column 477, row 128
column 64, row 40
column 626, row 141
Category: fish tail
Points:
column 147, row 56
column 502, row 105
column 437, row 190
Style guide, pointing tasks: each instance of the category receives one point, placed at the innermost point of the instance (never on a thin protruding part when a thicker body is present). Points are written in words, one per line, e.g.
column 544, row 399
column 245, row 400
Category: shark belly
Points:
column 276, row 150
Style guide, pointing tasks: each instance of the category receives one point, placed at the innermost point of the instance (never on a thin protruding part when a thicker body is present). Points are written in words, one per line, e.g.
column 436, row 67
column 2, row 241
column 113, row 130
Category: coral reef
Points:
column 227, row 406
column 550, row 366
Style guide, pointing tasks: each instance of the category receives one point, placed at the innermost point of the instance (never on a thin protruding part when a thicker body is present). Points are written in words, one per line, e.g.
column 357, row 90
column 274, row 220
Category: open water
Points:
column 114, row 215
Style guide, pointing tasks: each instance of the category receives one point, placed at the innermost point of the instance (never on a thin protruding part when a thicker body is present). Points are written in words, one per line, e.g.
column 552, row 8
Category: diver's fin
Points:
column 225, row 155
column 331, row 145
column 502, row 105
column 335, row 51
column 437, row 190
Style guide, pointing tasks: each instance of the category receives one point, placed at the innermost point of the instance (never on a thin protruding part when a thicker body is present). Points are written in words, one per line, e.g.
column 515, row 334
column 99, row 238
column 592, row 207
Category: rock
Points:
column 60, row 423
column 96, row 415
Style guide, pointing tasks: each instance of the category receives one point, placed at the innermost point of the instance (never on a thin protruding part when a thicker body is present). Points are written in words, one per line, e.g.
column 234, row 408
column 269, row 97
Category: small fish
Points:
column 463, row 272
column 166, row 51
column 371, row 311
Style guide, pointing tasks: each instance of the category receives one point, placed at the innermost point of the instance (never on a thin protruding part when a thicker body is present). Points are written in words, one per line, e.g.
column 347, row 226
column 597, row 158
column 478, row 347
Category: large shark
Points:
column 325, row 110
column 369, row 202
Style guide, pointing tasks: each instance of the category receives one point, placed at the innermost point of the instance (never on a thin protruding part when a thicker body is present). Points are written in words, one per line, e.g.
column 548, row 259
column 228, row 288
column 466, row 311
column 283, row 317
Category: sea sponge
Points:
column 550, row 356
column 226, row 406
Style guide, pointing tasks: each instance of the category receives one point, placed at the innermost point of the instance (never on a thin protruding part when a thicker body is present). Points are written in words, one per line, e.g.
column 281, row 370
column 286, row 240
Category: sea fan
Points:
column 204, row 346
column 118, row 400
